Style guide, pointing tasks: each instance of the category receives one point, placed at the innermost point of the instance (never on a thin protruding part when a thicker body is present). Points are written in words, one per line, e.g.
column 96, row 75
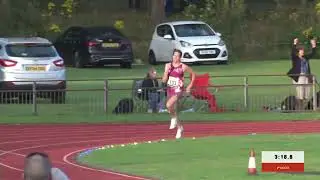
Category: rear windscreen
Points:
column 100, row 32
column 30, row 50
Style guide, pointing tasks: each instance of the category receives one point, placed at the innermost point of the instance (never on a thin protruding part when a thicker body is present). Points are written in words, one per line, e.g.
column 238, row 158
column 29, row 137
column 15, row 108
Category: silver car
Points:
column 24, row 61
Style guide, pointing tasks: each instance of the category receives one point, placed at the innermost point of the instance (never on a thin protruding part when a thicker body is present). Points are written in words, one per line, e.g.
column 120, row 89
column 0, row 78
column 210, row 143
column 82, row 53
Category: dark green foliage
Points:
column 250, row 31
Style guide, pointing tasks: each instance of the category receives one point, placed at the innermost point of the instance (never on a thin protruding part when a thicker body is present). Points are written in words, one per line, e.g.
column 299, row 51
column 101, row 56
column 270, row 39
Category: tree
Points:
column 158, row 11
column 134, row 4
column 309, row 32
column 55, row 10
column 317, row 7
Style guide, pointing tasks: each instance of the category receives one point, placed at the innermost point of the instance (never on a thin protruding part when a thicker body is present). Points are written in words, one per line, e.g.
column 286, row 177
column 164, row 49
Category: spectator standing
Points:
column 300, row 73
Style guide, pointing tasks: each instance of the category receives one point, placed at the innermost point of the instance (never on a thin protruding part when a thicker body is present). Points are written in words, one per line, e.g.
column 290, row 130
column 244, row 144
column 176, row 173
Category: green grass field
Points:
column 206, row 158
column 85, row 94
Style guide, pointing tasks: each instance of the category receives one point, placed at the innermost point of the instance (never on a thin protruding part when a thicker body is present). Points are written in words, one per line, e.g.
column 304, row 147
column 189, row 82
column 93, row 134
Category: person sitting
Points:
column 151, row 91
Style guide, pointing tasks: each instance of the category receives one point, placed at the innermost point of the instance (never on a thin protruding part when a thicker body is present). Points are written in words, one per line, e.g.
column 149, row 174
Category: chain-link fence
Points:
column 99, row 97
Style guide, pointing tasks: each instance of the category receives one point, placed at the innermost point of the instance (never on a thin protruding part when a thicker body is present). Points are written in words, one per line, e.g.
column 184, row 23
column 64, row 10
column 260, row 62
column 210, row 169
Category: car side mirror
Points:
column 218, row 34
column 167, row 36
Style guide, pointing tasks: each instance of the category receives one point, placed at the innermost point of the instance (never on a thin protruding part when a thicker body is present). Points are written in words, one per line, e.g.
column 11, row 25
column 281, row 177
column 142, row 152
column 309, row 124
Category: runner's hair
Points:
column 178, row 51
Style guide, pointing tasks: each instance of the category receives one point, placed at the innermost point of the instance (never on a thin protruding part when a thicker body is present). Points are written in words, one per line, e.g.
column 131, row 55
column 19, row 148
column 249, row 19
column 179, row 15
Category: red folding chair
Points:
column 201, row 92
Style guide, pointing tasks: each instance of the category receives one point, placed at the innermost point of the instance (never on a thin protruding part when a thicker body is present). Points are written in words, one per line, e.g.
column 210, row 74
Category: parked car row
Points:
column 98, row 46
column 24, row 60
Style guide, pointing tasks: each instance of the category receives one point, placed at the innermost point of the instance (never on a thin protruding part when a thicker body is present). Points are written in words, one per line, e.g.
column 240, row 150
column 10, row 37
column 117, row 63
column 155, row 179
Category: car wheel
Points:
column 58, row 97
column 77, row 60
column 127, row 65
column 152, row 58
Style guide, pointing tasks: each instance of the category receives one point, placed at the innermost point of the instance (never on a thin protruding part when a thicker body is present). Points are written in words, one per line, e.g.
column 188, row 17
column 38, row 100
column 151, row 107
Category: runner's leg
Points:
column 171, row 103
column 179, row 124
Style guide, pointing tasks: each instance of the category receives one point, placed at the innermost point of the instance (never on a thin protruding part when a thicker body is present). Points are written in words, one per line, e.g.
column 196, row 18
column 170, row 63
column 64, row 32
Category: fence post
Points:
column 246, row 94
column 105, row 102
column 314, row 92
column 34, row 99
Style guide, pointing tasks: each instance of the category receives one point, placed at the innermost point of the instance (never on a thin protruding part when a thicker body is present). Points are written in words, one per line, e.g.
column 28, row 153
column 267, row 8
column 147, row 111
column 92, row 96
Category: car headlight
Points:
column 221, row 43
column 185, row 44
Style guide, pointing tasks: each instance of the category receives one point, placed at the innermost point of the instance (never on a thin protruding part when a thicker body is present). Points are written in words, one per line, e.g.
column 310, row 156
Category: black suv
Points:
column 80, row 46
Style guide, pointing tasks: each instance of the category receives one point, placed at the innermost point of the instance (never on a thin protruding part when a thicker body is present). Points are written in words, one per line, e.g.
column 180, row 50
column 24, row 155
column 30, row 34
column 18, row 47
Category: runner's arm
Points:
column 192, row 76
column 165, row 74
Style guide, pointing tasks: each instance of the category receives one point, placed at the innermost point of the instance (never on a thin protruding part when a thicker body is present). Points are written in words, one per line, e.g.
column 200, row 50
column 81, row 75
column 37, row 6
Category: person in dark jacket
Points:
column 301, row 71
column 150, row 89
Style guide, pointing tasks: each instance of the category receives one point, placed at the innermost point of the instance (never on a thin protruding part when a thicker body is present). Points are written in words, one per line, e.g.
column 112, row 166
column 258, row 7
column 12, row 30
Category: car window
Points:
column 74, row 34
column 67, row 34
column 161, row 30
column 102, row 31
column 168, row 30
column 30, row 50
column 187, row 30
column 164, row 30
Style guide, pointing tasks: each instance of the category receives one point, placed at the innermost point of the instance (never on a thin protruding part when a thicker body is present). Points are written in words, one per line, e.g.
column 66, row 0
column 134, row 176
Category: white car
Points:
column 27, row 60
column 196, row 39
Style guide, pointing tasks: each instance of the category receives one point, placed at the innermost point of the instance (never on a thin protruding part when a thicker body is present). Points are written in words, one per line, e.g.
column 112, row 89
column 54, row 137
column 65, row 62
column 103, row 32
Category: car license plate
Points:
column 110, row 45
column 35, row 68
column 207, row 52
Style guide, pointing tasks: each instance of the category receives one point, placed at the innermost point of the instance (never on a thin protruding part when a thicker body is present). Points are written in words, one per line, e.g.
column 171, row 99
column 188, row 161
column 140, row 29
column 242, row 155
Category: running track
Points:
column 62, row 142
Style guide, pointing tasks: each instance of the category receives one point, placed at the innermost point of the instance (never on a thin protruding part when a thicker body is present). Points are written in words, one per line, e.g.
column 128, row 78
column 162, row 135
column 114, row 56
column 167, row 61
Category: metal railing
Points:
column 103, row 96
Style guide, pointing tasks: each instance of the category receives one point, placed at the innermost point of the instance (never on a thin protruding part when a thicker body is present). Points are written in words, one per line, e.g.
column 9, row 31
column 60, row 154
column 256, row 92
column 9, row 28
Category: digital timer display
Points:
column 282, row 161
column 283, row 156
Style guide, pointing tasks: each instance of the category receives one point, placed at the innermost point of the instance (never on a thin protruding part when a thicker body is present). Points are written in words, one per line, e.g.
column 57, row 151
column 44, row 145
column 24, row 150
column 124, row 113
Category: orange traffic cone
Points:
column 252, row 170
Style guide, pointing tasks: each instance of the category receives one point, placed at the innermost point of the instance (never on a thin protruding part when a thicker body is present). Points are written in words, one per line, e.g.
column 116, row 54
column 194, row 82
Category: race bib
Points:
column 173, row 82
